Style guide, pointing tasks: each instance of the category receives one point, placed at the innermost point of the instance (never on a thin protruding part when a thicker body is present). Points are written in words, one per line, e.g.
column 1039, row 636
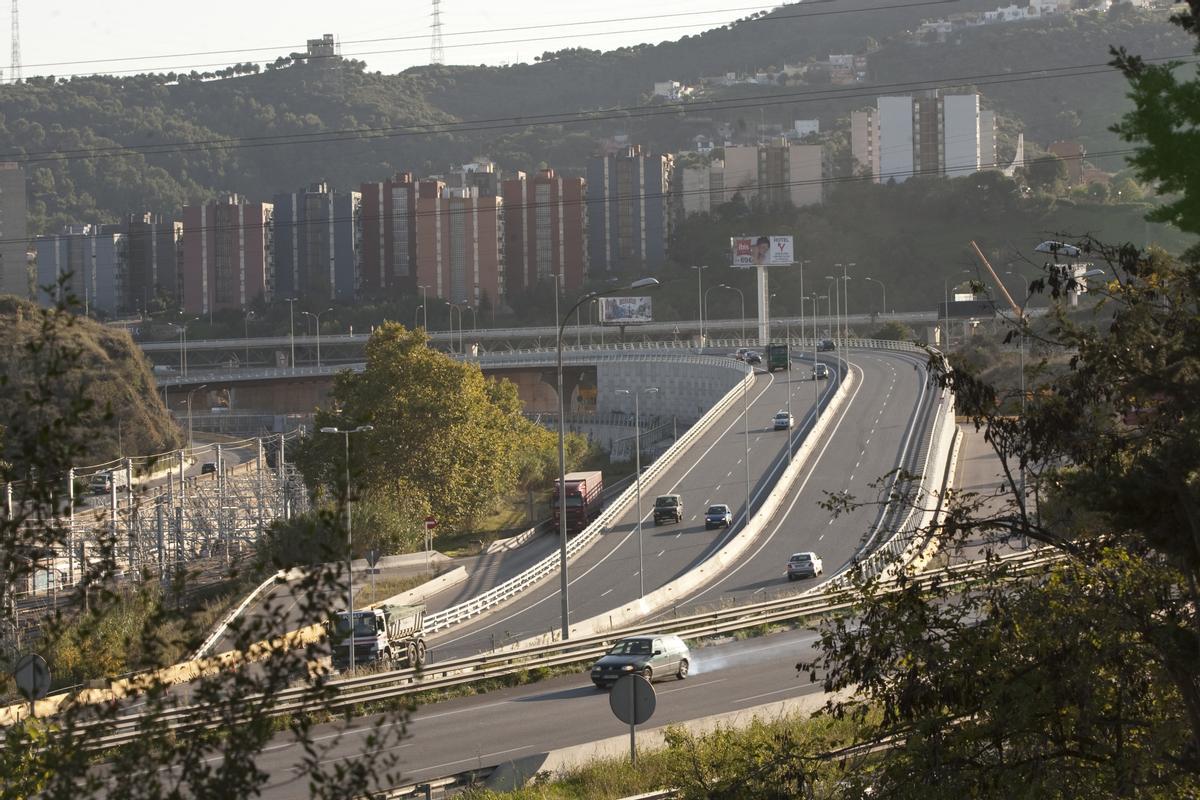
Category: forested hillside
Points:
column 258, row 134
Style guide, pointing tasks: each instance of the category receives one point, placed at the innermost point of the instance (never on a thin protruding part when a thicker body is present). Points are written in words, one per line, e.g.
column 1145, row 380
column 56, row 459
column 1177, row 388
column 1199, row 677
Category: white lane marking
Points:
column 739, row 461
column 796, row 492
column 660, row 552
column 819, row 538
column 768, row 694
column 729, row 474
column 676, row 536
column 472, row 758
column 633, row 529
column 691, row 685
column 606, row 591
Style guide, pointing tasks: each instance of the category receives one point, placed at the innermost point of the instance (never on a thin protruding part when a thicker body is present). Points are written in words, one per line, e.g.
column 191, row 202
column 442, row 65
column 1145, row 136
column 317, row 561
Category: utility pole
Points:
column 16, row 45
column 437, row 53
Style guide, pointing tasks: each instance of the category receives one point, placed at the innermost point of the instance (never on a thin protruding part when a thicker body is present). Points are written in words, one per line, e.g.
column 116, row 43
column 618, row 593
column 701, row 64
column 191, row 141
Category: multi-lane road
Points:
column 871, row 434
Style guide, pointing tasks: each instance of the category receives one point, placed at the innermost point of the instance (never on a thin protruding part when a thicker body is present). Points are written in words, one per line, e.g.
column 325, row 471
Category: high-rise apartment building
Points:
column 481, row 175
column 460, row 243
column 544, row 229
column 932, row 134
column 89, row 263
column 389, row 236
column 227, row 255
column 773, row 173
column 318, row 242
column 154, row 251
column 14, row 241
column 628, row 210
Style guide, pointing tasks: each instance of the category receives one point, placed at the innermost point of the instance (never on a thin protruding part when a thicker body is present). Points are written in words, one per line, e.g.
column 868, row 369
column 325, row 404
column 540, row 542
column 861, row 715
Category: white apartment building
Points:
column 932, row 135
column 894, row 117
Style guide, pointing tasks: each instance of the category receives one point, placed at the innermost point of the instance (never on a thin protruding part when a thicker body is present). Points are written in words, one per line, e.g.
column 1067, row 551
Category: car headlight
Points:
column 627, row 668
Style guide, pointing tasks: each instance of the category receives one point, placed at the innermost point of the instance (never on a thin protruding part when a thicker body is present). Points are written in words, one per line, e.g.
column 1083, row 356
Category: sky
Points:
column 181, row 36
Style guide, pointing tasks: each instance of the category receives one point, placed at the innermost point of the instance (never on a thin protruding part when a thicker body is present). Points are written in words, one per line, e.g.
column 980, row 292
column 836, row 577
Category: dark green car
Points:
column 649, row 656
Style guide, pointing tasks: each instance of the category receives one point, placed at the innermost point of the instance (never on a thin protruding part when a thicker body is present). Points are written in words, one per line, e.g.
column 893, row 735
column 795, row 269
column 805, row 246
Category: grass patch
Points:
column 382, row 588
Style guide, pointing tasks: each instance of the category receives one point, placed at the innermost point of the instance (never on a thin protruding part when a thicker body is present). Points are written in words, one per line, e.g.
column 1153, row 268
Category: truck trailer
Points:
column 391, row 634
column 585, row 499
column 777, row 357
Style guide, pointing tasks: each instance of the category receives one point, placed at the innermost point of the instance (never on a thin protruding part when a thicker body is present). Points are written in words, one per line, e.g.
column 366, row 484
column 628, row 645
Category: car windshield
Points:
column 801, row 557
column 669, row 502
column 782, row 415
column 631, row 647
column 717, row 510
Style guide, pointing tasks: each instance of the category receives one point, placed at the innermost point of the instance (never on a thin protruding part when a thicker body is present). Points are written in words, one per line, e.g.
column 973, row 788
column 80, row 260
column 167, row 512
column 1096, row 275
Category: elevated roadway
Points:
column 875, row 419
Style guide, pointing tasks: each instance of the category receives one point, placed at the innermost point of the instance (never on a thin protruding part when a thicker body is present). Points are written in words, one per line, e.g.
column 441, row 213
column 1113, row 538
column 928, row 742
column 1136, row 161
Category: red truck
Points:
column 585, row 498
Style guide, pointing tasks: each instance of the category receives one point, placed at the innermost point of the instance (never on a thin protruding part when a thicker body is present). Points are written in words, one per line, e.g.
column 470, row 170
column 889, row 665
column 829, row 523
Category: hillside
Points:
column 122, row 411
column 86, row 118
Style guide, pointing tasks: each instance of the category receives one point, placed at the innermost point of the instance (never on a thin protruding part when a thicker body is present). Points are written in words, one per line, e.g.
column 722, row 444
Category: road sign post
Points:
column 33, row 679
column 430, row 524
column 632, row 701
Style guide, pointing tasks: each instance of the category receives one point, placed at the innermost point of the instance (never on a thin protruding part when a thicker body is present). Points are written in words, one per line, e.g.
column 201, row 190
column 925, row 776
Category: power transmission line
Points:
column 567, row 118
column 414, row 49
column 437, row 48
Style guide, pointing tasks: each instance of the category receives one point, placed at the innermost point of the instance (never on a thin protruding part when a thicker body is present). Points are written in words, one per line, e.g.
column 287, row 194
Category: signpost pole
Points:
column 633, row 728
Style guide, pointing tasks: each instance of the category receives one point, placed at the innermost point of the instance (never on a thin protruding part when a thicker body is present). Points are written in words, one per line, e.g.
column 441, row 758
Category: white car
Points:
column 804, row 565
column 783, row 421
column 820, row 372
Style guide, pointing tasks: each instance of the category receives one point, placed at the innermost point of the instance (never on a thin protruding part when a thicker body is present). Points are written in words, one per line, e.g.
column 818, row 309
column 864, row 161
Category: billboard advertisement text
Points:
column 761, row 251
column 624, row 310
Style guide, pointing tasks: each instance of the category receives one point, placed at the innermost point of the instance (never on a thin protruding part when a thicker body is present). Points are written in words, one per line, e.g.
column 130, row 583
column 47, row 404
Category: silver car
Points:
column 649, row 656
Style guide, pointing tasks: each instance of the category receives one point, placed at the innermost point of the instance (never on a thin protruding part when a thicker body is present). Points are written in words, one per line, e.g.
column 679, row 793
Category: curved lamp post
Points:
column 349, row 539
column 643, row 283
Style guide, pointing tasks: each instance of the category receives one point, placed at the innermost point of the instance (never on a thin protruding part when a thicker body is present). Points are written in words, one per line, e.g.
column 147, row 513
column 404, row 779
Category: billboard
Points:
column 761, row 251
column 624, row 310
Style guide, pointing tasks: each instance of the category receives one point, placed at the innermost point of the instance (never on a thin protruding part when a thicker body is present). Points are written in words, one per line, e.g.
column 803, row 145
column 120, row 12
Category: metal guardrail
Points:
column 549, row 565
column 398, row 683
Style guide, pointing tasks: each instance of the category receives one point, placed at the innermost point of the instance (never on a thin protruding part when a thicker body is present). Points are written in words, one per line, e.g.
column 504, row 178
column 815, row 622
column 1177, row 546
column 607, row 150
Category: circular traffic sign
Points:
column 632, row 699
column 430, row 523
column 32, row 676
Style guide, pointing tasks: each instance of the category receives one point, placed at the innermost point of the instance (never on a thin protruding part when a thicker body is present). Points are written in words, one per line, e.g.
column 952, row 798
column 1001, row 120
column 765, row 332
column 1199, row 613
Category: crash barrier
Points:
column 397, row 683
column 731, row 553
column 550, row 565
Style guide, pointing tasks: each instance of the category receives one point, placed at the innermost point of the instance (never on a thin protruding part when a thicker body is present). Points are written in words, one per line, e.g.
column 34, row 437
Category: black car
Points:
column 208, row 468
column 753, row 358
column 825, row 345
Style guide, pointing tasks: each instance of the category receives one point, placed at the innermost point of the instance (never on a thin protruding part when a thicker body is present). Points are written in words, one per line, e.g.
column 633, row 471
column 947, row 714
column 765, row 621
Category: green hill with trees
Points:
column 101, row 146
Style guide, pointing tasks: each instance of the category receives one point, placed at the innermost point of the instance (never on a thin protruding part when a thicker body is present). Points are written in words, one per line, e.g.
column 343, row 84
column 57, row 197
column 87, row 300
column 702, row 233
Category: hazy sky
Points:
column 181, row 36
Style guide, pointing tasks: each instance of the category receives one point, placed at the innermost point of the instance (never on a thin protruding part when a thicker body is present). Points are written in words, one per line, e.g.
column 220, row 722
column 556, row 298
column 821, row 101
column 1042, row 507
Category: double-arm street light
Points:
column 349, row 537
column 317, row 317
column 637, row 466
column 742, row 301
column 835, row 321
column 643, row 283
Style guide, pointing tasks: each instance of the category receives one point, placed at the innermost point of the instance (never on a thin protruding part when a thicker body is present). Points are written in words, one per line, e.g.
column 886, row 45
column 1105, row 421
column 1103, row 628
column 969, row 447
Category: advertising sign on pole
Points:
column 625, row 310
column 761, row 251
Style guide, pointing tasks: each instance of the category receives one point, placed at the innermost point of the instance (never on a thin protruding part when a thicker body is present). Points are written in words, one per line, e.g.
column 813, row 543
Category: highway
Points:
column 501, row 726
column 881, row 429
column 607, row 575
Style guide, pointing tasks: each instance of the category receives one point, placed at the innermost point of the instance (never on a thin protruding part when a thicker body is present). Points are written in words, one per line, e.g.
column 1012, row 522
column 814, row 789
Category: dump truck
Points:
column 777, row 357
column 391, row 634
column 585, row 499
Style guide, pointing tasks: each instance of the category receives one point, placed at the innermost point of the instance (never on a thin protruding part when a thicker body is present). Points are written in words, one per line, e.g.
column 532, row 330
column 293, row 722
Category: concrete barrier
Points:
column 669, row 594
column 426, row 590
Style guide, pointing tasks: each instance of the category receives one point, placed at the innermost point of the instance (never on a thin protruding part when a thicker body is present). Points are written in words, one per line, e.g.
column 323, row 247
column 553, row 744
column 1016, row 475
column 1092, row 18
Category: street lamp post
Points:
column 415, row 310
column 816, row 298
column 881, row 286
column 846, row 300
column 637, row 466
column 189, row 405
column 643, row 283
column 453, row 307
column 349, row 537
column 424, row 306
column 742, row 300
column 700, row 298
column 317, row 318
column 292, row 327
column 835, row 317
column 801, row 264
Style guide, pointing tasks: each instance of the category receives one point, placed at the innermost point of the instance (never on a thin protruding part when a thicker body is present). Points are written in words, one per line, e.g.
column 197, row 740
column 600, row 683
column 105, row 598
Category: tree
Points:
column 236, row 708
column 442, row 431
column 1047, row 173
column 1081, row 682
